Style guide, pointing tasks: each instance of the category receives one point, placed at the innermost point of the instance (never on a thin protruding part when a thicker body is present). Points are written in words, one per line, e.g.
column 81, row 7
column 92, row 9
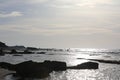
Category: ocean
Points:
column 74, row 56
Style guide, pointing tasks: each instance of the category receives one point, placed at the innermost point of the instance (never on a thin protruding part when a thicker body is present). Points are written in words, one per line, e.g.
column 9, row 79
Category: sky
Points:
column 60, row 23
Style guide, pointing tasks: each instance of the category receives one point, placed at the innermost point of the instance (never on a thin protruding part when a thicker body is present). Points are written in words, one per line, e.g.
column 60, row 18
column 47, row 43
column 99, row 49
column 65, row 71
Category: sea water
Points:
column 74, row 56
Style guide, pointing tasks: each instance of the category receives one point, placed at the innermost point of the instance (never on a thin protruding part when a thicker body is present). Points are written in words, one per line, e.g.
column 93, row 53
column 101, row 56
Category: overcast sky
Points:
column 60, row 23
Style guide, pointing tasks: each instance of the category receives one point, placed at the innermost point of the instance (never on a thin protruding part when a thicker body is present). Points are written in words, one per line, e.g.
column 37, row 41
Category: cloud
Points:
column 78, row 3
column 12, row 14
column 36, row 1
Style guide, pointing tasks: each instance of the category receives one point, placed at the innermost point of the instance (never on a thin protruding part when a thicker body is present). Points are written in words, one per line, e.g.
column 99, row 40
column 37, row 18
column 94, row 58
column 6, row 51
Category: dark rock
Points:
column 34, row 69
column 8, row 66
column 56, row 65
column 30, row 69
column 18, row 48
column 32, row 48
column 1, row 52
column 13, row 51
column 41, row 52
column 86, row 65
column 27, row 52
column 17, row 55
column 2, row 44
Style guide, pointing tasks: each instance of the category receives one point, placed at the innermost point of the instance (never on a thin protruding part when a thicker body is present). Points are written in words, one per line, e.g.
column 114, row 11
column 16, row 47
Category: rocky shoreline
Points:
column 30, row 69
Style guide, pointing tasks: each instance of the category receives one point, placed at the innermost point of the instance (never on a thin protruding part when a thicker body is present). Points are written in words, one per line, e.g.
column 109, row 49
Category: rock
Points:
column 17, row 55
column 32, row 48
column 41, row 52
column 7, row 66
column 13, row 51
column 34, row 69
column 27, row 52
column 1, row 52
column 2, row 45
column 56, row 65
column 18, row 48
column 30, row 69
column 59, row 66
column 86, row 65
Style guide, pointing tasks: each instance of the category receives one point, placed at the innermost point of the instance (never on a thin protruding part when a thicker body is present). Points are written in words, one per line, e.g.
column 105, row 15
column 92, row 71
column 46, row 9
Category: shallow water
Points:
column 105, row 72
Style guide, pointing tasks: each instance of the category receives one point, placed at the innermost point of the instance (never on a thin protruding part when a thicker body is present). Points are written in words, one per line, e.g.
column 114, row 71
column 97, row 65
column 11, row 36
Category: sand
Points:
column 3, row 73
